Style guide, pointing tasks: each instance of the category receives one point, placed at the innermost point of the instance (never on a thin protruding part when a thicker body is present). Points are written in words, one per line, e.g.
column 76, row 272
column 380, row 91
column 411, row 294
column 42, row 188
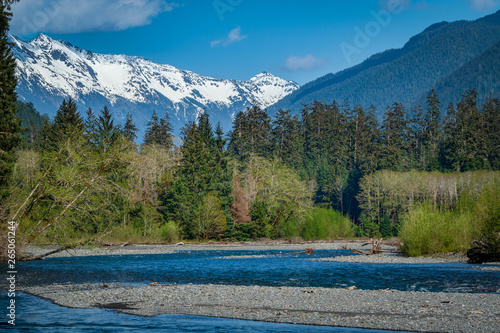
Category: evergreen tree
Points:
column 433, row 121
column 471, row 136
column 31, row 123
column 90, row 124
column 129, row 129
column 448, row 147
column 9, row 123
column 159, row 132
column 364, row 139
column 251, row 131
column 417, row 140
column 203, row 170
column 106, row 132
column 166, row 137
column 394, row 139
column 491, row 111
column 152, row 130
column 287, row 140
column 67, row 124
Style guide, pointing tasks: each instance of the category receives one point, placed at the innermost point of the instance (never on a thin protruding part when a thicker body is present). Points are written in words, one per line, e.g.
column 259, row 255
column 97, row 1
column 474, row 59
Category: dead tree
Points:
column 376, row 248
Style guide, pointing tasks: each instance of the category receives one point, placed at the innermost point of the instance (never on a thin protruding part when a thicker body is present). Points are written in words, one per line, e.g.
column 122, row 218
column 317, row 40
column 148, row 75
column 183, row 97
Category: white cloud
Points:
column 483, row 5
column 232, row 37
column 73, row 16
column 309, row 62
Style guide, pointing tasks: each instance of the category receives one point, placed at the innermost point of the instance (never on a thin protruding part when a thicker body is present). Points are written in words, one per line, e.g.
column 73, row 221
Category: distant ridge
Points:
column 49, row 71
column 450, row 57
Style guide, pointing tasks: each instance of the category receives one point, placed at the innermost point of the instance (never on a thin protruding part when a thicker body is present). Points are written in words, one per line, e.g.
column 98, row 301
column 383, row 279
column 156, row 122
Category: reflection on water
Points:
column 39, row 315
column 264, row 268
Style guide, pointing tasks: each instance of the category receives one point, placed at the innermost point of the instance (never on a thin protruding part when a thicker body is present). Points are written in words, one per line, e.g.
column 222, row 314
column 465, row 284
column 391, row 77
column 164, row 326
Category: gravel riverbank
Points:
column 253, row 246
column 383, row 309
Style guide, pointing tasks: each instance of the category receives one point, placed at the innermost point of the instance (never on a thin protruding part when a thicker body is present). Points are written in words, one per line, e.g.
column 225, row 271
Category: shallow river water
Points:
column 233, row 267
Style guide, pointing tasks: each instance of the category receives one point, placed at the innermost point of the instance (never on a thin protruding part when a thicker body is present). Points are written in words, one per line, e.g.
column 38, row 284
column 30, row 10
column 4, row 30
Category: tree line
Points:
column 76, row 176
column 263, row 177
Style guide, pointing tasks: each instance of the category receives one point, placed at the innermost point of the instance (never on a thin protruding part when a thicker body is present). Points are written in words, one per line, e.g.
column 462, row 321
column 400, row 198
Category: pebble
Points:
column 383, row 309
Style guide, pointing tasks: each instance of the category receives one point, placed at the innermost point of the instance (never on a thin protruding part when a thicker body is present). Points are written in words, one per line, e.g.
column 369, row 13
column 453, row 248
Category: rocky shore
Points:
column 382, row 309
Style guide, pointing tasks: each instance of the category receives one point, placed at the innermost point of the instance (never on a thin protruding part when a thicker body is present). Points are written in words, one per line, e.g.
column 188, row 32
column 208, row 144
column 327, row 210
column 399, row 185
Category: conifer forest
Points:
column 332, row 171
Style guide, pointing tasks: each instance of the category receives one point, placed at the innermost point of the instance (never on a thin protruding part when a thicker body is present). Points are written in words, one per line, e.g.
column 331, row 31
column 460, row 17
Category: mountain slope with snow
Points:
column 49, row 71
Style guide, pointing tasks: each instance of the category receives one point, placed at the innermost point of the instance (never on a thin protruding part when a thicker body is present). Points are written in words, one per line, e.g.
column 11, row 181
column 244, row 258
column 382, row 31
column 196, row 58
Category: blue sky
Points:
column 237, row 39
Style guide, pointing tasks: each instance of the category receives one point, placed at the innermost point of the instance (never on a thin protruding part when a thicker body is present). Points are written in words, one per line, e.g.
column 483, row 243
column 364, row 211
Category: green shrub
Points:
column 426, row 230
column 170, row 232
column 322, row 223
column 487, row 210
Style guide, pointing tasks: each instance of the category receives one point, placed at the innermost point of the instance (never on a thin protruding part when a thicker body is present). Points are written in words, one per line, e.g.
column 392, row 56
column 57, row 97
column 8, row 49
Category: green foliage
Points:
column 170, row 232
column 322, row 223
column 386, row 227
column 487, row 212
column 9, row 123
column 158, row 131
column 203, row 169
column 211, row 219
column 129, row 129
column 106, row 133
column 368, row 228
column 392, row 194
column 32, row 122
column 426, row 230
column 250, row 135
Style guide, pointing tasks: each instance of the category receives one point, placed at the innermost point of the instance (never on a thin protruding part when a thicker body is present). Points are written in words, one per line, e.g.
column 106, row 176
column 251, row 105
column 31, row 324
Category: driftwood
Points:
column 481, row 253
column 376, row 248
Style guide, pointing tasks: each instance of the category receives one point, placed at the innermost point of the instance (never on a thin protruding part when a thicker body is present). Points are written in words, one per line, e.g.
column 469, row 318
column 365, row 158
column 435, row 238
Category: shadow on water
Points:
column 38, row 315
column 264, row 268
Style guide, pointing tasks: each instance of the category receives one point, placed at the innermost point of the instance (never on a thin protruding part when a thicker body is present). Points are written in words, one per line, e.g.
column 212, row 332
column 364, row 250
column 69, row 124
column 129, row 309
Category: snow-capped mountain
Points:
column 49, row 71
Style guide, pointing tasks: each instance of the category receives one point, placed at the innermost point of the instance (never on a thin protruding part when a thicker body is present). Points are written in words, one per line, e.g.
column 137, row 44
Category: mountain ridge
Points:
column 49, row 71
column 406, row 74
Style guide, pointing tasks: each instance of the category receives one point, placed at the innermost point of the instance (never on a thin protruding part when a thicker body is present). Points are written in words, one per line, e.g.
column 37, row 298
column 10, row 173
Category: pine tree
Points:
column 203, row 170
column 165, row 135
column 129, row 129
column 433, row 121
column 287, row 140
column 159, row 132
column 394, row 139
column 491, row 111
column 9, row 123
column 250, row 135
column 152, row 130
column 67, row 124
column 90, row 124
column 417, row 140
column 448, row 147
column 470, row 137
column 106, row 132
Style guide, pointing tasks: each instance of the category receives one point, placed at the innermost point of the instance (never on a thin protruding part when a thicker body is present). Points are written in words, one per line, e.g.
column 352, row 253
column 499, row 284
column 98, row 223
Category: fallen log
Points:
column 376, row 248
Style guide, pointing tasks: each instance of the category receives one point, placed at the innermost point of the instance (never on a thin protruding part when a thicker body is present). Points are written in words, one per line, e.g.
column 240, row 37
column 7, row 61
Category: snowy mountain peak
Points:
column 49, row 71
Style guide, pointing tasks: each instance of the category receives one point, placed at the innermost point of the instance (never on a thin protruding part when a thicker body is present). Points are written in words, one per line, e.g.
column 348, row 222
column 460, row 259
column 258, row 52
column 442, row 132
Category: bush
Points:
column 488, row 212
column 426, row 230
column 322, row 223
column 169, row 232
